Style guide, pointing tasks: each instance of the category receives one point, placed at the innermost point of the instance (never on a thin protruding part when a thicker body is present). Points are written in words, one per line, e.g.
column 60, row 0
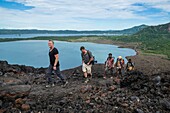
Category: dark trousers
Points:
column 57, row 72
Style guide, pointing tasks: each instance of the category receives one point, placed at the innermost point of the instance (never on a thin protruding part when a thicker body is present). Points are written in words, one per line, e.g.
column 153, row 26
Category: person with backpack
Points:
column 119, row 65
column 54, row 66
column 87, row 60
column 129, row 66
column 109, row 65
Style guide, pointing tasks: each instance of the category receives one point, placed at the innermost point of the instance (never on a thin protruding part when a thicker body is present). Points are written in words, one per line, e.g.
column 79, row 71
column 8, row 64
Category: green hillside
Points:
column 153, row 39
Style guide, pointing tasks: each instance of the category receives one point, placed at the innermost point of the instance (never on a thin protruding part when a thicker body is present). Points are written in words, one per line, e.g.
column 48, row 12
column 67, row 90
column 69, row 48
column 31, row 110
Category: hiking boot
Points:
column 90, row 76
column 65, row 83
column 87, row 80
column 53, row 85
column 48, row 85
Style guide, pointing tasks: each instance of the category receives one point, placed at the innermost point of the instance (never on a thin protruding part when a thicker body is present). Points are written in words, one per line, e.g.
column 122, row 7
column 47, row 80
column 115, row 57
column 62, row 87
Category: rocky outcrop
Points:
column 22, row 89
column 5, row 67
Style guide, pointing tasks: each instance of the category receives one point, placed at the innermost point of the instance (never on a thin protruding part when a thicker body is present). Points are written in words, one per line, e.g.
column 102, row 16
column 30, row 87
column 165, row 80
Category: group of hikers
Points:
column 118, row 67
column 87, row 62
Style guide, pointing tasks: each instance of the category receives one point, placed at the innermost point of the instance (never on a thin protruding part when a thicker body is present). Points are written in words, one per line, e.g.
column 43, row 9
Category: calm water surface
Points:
column 35, row 52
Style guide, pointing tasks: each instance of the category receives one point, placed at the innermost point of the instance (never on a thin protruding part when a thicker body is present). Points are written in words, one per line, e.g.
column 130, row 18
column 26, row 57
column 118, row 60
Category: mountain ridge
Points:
column 132, row 30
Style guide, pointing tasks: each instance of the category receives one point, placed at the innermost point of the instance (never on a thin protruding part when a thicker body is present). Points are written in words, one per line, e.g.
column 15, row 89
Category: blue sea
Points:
column 35, row 52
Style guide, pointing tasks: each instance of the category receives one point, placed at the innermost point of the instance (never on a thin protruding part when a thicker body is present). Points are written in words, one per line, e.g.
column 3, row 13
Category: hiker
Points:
column 129, row 65
column 119, row 65
column 109, row 65
column 87, row 59
column 54, row 66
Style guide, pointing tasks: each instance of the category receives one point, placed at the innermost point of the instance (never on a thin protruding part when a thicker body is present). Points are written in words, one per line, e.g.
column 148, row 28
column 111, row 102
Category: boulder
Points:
column 11, row 81
column 86, row 88
column 112, row 88
column 3, row 65
column 165, row 103
column 25, row 107
column 134, row 98
column 1, row 73
column 138, row 111
column 157, row 80
column 1, row 103
column 19, row 101
column 2, row 110
column 13, row 92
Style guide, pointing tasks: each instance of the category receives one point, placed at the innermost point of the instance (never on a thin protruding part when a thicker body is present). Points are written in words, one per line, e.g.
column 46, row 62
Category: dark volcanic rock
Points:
column 22, row 89
column 138, row 111
column 19, row 101
column 165, row 103
column 11, row 81
column 16, row 91
column 1, row 103
column 135, row 98
column 3, row 64
column 1, row 73
column 5, row 67
column 85, row 89
column 25, row 107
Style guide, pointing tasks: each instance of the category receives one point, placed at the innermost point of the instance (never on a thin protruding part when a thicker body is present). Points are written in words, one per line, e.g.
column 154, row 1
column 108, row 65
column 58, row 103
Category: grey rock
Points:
column 1, row 73
column 139, row 111
column 157, row 80
column 135, row 98
column 11, row 81
column 11, row 92
column 3, row 65
column 165, row 103
column 1, row 103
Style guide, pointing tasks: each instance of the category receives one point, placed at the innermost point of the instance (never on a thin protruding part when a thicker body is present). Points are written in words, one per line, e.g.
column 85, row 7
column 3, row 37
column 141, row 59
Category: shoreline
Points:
column 95, row 42
column 147, row 63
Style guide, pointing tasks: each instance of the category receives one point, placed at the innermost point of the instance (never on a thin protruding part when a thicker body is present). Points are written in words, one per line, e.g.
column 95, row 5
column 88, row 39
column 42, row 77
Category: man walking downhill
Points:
column 54, row 65
column 109, row 65
column 87, row 59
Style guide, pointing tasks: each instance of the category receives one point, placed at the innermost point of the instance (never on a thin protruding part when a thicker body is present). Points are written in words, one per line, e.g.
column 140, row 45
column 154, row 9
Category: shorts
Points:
column 86, row 68
column 130, row 68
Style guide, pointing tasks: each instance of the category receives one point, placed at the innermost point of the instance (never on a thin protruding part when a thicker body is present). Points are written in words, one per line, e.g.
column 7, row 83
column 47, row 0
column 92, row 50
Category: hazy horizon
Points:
column 72, row 29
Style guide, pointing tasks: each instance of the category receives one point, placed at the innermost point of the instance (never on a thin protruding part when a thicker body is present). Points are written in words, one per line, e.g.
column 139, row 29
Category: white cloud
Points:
column 77, row 14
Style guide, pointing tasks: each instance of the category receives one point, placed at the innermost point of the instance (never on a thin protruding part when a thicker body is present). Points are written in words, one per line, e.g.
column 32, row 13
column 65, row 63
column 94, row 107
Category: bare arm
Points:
column 113, row 63
column 91, row 59
column 56, row 60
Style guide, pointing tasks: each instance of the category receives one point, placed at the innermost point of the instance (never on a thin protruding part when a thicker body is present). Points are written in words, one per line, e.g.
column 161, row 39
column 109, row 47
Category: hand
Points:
column 88, row 63
column 54, row 68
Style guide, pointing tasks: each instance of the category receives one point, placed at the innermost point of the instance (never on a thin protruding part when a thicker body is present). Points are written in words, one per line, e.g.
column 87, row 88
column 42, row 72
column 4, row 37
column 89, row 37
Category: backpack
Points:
column 121, row 62
column 93, row 61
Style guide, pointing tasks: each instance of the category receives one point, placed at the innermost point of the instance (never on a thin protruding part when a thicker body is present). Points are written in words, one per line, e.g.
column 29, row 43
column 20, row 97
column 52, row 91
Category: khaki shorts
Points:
column 86, row 68
column 130, row 68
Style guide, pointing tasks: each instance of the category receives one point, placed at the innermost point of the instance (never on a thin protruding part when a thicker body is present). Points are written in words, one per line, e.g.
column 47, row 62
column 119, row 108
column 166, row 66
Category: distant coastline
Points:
column 113, row 40
column 140, row 58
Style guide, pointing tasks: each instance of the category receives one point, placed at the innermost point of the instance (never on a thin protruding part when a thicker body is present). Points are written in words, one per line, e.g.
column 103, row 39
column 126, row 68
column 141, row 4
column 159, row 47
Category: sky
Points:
column 82, row 14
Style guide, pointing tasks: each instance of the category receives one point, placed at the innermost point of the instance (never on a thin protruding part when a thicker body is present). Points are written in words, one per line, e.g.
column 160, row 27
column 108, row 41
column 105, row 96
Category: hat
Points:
column 120, row 57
